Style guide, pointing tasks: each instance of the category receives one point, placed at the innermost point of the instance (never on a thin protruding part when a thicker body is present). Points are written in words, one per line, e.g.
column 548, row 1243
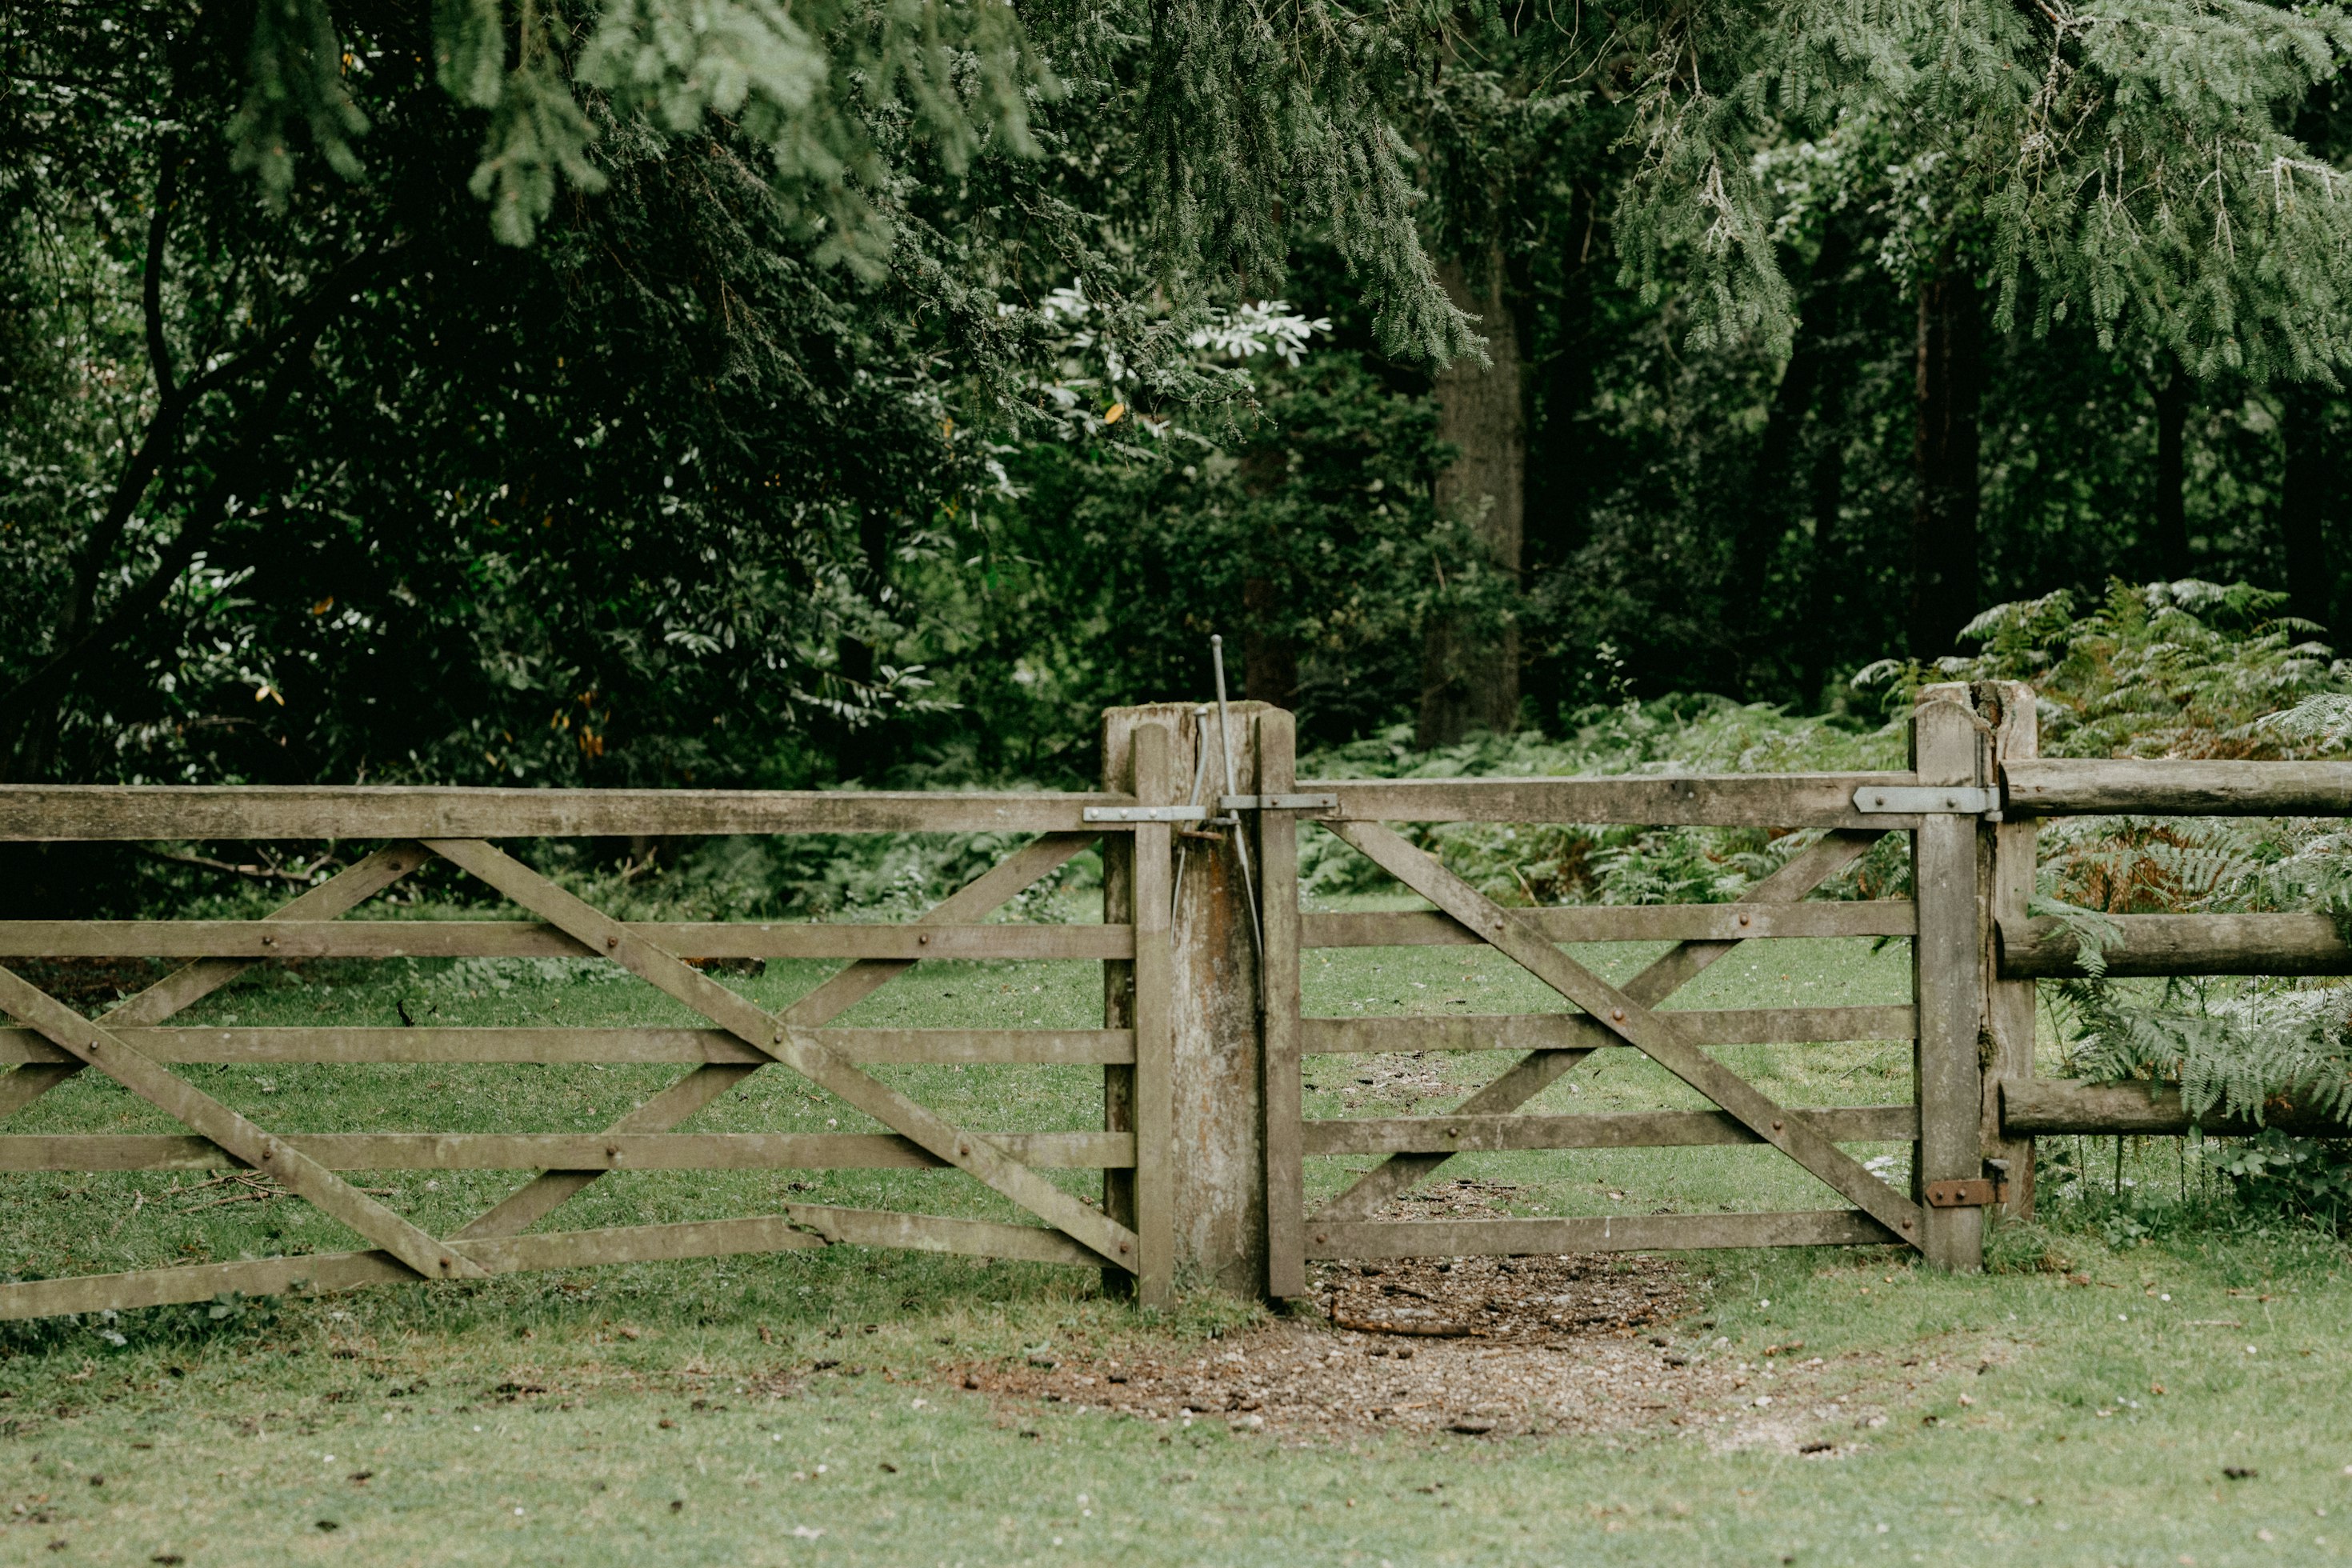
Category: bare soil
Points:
column 1592, row 1344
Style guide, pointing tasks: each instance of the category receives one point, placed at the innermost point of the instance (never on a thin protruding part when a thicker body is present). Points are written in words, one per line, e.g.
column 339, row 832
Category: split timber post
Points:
column 1949, row 747
column 1974, row 1028
column 1212, row 1164
column 2009, row 706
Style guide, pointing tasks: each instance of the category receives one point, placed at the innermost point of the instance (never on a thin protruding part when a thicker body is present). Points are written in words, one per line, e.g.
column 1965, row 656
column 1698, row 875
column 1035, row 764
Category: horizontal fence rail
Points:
column 1715, row 800
column 137, row 1043
column 131, row 812
column 1065, row 1047
column 524, row 938
column 2048, row 949
column 564, row 1151
column 1580, row 1032
column 1620, row 923
column 2072, row 787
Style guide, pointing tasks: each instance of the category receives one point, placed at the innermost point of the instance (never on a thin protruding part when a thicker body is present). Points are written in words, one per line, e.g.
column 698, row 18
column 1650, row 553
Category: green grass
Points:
column 524, row 1420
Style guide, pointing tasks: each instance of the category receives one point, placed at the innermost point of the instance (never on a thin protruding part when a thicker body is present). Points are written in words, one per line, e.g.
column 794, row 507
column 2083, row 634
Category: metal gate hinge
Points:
column 1277, row 802
column 1923, row 800
column 1981, row 1193
column 1144, row 814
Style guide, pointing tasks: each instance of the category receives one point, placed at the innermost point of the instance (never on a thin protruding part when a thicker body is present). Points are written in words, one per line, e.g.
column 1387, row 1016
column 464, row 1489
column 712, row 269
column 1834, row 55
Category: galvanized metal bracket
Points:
column 1144, row 814
column 1277, row 802
column 1926, row 800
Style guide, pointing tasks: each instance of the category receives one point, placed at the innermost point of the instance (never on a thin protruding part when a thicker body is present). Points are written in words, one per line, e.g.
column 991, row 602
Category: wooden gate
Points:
column 1201, row 1065
column 134, row 1045
column 1940, row 804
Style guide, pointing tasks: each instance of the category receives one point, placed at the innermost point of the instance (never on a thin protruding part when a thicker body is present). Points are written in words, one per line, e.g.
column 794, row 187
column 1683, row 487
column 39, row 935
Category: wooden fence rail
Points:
column 1204, row 1147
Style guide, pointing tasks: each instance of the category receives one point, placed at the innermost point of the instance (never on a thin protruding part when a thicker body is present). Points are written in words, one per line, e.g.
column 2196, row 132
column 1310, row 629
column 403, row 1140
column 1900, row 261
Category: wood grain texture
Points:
column 1073, row 1047
column 563, row 1151
column 297, row 939
column 2290, row 943
column 35, row 812
column 200, row 1113
column 1461, row 1134
column 1281, row 1028
column 1554, row 1049
column 1716, row 800
column 1624, row 1233
column 1948, row 977
column 2050, row 1106
column 1576, row 1031
column 1625, row 922
column 802, row 1226
column 707, row 1085
column 2009, row 1004
column 2176, row 787
column 183, row 987
column 1154, row 1092
column 795, row 1047
column 1655, row 1034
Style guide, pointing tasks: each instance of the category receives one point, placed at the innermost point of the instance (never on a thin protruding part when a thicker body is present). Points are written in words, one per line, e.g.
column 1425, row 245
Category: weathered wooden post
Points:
column 2008, row 847
column 1277, row 859
column 1215, row 1144
column 1948, row 977
column 1136, row 866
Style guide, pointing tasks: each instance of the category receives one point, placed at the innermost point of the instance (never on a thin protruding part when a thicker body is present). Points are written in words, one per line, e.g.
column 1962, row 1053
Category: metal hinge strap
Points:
column 1923, row 800
column 1277, row 802
column 1144, row 814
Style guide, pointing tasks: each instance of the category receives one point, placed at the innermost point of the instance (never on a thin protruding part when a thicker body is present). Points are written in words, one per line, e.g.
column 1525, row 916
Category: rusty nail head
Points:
column 1744, row 918
column 1776, row 1127
column 963, row 1148
column 1618, row 1014
column 611, row 941
column 923, row 939
column 1122, row 1246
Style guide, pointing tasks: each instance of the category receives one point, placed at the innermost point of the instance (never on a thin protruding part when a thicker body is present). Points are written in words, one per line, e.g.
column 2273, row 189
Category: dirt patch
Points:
column 1520, row 1298
column 1592, row 1344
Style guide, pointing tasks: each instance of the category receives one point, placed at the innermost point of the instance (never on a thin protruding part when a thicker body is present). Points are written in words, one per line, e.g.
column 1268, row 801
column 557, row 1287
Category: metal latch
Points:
column 1277, row 802
column 1922, row 800
column 1144, row 814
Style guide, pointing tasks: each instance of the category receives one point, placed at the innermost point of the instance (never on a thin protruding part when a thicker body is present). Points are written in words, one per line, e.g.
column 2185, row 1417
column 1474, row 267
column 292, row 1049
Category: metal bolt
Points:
column 611, row 941
column 1744, row 919
column 963, row 1148
column 923, row 939
column 1776, row 1127
column 1122, row 1246
column 1618, row 1014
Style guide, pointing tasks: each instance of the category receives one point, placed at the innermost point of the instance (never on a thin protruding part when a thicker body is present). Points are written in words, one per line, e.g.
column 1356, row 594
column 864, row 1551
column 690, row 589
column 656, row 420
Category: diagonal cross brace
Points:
column 1654, row 1034
column 192, row 983
column 99, row 1047
column 794, row 1047
column 1538, row 1070
column 539, row 1197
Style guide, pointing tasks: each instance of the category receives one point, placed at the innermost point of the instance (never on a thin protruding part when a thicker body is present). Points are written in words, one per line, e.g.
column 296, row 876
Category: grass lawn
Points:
column 811, row 1408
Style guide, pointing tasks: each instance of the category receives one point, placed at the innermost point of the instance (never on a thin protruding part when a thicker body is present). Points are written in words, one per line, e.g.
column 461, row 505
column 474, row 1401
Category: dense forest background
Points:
column 464, row 393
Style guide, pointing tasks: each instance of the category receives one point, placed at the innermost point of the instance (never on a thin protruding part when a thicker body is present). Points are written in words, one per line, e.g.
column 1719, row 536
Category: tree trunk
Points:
column 1269, row 659
column 1771, row 505
column 2171, row 512
column 1828, row 496
column 2303, row 507
column 1950, row 379
column 1470, row 677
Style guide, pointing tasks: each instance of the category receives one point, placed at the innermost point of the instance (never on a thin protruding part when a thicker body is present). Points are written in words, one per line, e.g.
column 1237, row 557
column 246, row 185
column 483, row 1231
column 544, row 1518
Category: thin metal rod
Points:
column 1199, row 777
column 1226, row 745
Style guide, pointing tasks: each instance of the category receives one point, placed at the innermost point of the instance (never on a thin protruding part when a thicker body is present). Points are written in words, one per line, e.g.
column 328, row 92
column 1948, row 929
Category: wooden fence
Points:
column 1202, row 1143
